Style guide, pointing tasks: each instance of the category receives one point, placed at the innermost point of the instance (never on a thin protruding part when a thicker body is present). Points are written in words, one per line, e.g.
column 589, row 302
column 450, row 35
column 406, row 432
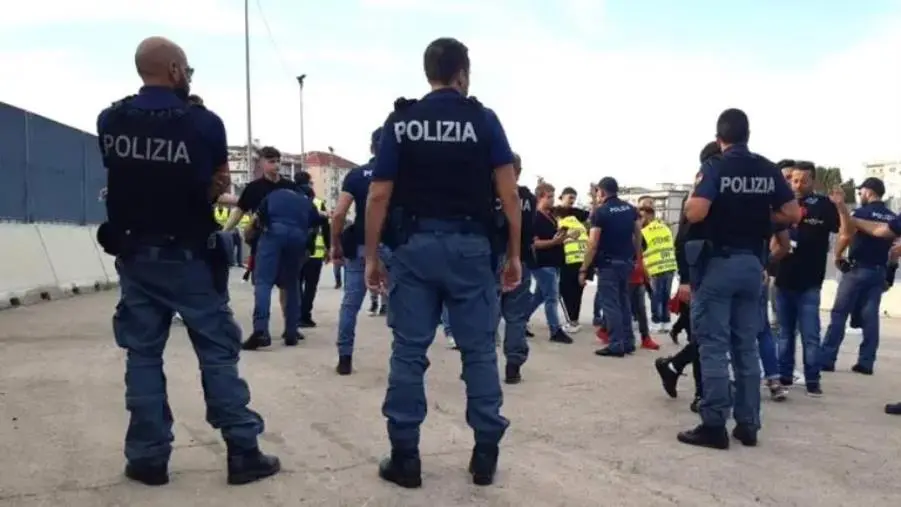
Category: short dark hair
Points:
column 444, row 58
column 710, row 149
column 785, row 163
column 803, row 165
column 269, row 152
column 195, row 99
column 302, row 178
column 732, row 127
column 648, row 210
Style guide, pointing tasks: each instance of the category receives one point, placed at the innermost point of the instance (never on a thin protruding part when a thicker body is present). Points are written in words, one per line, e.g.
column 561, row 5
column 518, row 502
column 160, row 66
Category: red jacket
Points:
column 639, row 276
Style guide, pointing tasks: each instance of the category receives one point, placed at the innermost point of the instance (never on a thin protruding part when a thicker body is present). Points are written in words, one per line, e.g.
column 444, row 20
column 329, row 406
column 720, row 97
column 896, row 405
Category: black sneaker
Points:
column 345, row 365
column 292, row 339
column 813, row 390
column 863, row 370
column 306, row 323
column 674, row 336
column 251, row 466
column 561, row 337
column 483, row 464
column 695, row 405
column 893, row 409
column 403, row 469
column 512, row 374
column 529, row 333
column 257, row 340
column 745, row 434
column 786, row 381
column 668, row 376
column 149, row 475
column 705, row 436
column 608, row 352
column 383, row 311
column 373, row 309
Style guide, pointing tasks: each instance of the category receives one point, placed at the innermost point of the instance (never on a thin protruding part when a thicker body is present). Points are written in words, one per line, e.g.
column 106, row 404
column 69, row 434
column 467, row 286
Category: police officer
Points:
column 347, row 251
column 614, row 241
column 286, row 218
column 515, row 304
column 156, row 146
column 864, row 275
column 441, row 161
column 736, row 198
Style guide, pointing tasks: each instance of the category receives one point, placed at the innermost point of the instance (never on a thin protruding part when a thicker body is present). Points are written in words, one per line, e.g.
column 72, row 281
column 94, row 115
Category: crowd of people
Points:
column 443, row 227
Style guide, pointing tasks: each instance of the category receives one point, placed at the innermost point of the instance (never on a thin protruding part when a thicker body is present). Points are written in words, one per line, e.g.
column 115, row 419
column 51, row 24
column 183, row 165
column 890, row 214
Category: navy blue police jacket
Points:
column 616, row 219
column 356, row 183
column 290, row 208
column 441, row 152
column 868, row 250
column 158, row 148
column 743, row 188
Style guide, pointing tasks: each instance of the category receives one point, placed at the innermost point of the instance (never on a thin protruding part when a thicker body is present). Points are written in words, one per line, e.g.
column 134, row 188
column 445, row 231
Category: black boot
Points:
column 402, row 468
column 512, row 374
column 745, row 434
column 256, row 340
column 245, row 467
column 292, row 339
column 483, row 464
column 668, row 376
column 306, row 322
column 706, row 436
column 345, row 365
column 150, row 475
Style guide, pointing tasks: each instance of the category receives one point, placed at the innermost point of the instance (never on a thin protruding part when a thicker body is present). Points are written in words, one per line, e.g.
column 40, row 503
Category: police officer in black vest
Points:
column 442, row 161
column 736, row 199
column 157, row 147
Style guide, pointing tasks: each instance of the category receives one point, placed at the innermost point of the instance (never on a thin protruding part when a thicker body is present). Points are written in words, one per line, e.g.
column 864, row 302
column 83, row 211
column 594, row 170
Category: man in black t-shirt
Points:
column 799, row 279
column 548, row 261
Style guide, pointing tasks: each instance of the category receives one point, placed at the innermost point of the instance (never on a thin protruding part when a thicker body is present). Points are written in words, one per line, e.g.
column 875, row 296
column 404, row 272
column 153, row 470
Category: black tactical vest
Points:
column 740, row 215
column 154, row 185
column 443, row 172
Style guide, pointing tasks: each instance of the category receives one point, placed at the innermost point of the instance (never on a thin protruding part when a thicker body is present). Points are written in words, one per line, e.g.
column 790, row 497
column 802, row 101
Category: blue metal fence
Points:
column 49, row 172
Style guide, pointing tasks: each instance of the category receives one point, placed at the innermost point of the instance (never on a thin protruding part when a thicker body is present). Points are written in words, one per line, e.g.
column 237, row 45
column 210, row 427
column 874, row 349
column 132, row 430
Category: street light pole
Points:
column 303, row 151
column 249, row 151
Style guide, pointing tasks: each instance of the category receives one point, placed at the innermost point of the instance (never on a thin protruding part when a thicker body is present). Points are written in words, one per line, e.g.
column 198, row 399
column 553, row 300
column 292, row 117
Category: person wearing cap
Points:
column 613, row 244
column 318, row 245
column 442, row 162
column 347, row 251
column 575, row 243
column 736, row 200
column 869, row 233
column 799, row 279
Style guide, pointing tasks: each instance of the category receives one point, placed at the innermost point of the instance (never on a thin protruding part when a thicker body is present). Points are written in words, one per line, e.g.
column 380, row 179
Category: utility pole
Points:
column 303, row 150
column 249, row 152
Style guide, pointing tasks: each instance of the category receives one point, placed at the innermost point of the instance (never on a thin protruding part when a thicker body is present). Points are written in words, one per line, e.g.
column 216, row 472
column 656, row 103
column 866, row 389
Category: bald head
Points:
column 161, row 62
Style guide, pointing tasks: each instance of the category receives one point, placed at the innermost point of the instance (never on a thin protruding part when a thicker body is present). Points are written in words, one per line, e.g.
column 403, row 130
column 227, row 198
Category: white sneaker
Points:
column 572, row 328
column 451, row 343
column 663, row 327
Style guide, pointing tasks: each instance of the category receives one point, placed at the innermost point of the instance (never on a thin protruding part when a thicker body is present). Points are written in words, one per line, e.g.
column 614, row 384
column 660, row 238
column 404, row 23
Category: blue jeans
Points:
column 725, row 319
column 613, row 294
column 228, row 242
column 238, row 243
column 862, row 286
column 662, row 285
column 336, row 270
column 280, row 251
column 430, row 270
column 515, row 309
column 547, row 293
column 766, row 342
column 354, row 295
column 799, row 313
column 155, row 283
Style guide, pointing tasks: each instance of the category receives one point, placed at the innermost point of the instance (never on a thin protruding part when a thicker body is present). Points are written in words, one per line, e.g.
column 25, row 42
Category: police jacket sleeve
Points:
column 679, row 244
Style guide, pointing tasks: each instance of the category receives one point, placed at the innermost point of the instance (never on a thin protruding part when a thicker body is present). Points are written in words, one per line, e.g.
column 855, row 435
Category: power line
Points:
column 285, row 67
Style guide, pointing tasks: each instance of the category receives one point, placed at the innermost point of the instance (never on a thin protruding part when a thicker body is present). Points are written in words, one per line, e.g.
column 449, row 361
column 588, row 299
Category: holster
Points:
column 398, row 228
column 349, row 241
column 110, row 239
column 697, row 255
column 217, row 257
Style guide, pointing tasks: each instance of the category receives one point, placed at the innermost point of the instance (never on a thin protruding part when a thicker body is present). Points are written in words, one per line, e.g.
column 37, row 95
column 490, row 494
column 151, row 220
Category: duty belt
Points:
column 453, row 226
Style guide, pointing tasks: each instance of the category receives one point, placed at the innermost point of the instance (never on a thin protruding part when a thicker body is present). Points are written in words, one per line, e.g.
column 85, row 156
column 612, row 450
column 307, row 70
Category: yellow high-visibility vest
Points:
column 220, row 214
column 319, row 248
column 245, row 220
column 574, row 248
column 660, row 254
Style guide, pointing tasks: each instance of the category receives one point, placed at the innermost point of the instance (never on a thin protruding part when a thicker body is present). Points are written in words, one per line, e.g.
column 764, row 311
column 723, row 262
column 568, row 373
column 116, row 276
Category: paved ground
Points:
column 585, row 431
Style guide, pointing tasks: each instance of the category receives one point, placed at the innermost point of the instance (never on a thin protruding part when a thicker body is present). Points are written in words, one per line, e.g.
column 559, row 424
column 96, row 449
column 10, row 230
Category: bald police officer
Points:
column 735, row 200
column 441, row 160
column 159, row 148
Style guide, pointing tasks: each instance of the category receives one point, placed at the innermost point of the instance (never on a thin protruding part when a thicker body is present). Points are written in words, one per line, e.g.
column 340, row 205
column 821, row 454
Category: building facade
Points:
column 327, row 171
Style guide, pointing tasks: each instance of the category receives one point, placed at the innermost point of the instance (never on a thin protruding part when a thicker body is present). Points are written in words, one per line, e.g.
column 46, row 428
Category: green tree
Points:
column 850, row 189
column 827, row 177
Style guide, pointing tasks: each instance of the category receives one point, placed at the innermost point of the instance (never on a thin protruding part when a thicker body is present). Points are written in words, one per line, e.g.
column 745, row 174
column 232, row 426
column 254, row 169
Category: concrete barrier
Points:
column 41, row 262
